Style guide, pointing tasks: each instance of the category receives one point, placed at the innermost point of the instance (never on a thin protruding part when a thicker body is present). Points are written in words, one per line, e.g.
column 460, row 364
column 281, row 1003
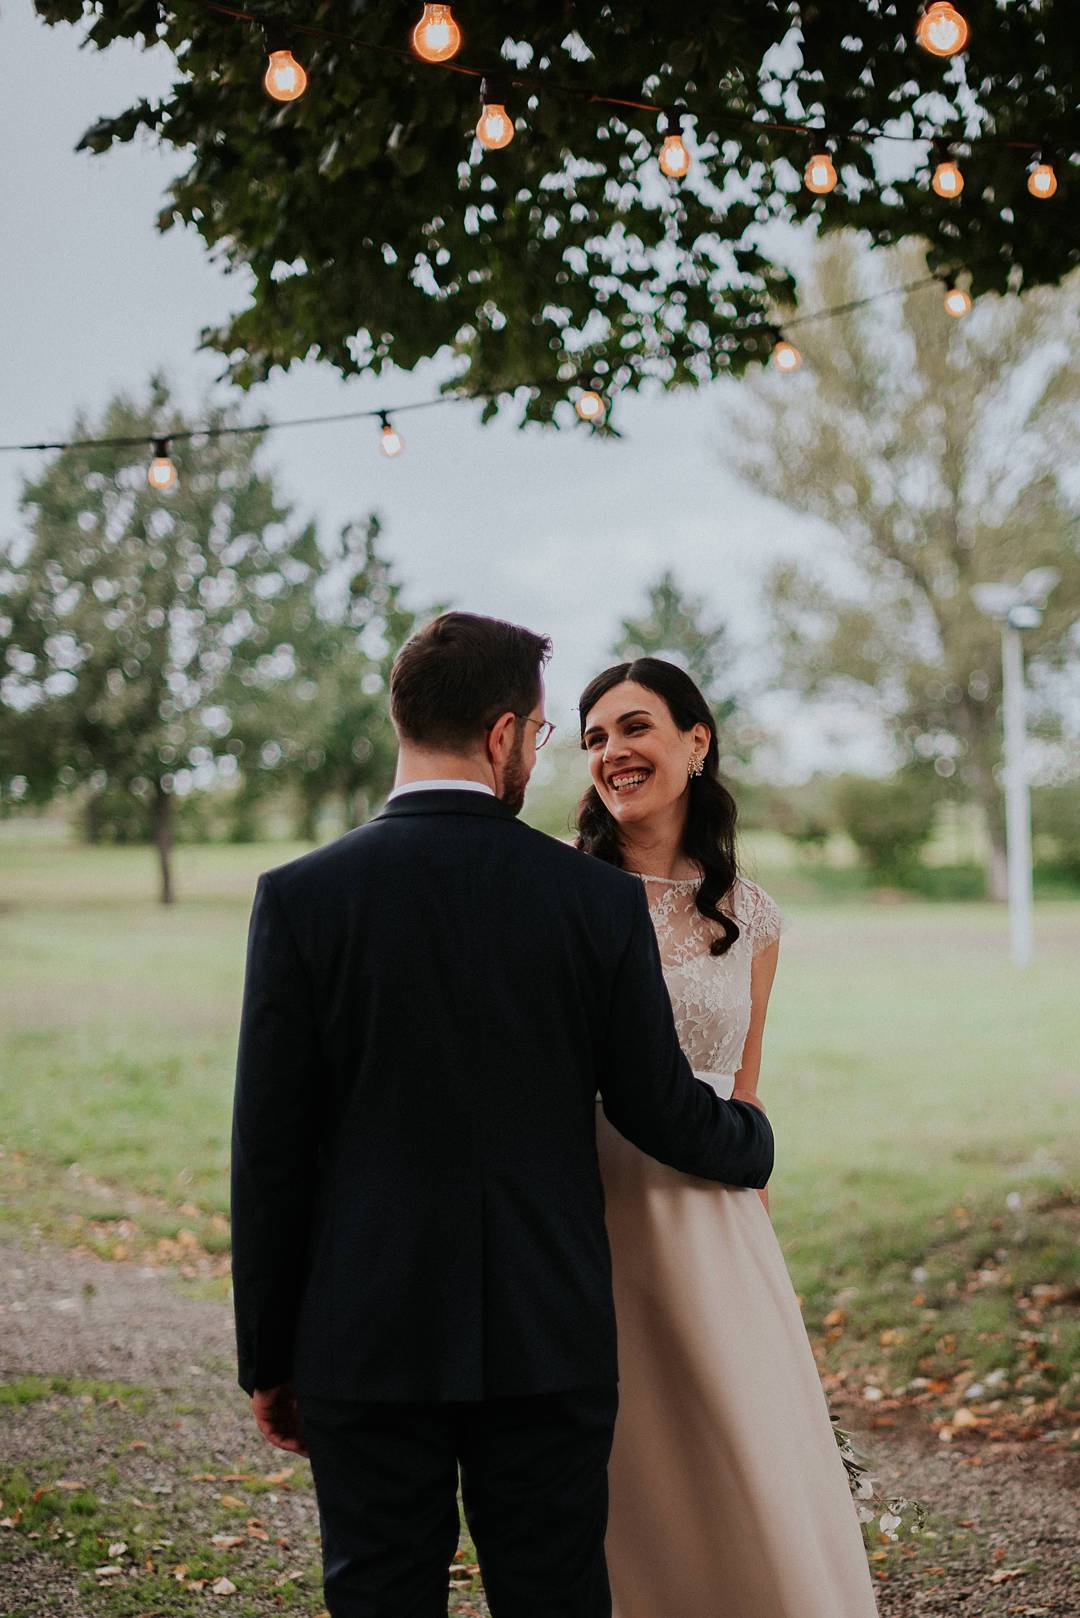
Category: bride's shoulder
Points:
column 757, row 912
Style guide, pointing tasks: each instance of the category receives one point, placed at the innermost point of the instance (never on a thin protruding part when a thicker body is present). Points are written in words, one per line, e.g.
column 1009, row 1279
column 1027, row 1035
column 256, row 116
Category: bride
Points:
column 728, row 1494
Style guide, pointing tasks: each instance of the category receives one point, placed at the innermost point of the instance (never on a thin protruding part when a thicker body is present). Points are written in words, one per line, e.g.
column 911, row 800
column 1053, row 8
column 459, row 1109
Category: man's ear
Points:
column 500, row 738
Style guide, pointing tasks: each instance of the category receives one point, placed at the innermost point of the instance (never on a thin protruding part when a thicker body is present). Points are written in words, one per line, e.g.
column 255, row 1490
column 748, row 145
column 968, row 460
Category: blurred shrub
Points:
column 888, row 820
column 1055, row 816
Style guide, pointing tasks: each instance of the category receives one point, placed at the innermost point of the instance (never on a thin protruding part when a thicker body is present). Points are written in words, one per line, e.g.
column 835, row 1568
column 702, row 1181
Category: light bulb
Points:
column 947, row 181
column 495, row 128
column 674, row 157
column 941, row 30
column 391, row 442
column 957, row 301
column 161, row 473
column 589, row 405
column 785, row 356
column 1042, row 181
column 285, row 79
column 820, row 176
column 436, row 36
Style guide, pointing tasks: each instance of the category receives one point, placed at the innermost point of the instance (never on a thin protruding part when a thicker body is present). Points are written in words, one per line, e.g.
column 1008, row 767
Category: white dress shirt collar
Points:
column 440, row 786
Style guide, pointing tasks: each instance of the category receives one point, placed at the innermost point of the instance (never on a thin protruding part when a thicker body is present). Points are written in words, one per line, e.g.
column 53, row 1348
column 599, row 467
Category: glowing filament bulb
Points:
column 820, row 176
column 285, row 79
column 674, row 157
column 948, row 181
column 957, row 302
column 161, row 474
column 436, row 36
column 391, row 442
column 495, row 128
column 1042, row 181
column 942, row 30
column 785, row 356
column 589, row 406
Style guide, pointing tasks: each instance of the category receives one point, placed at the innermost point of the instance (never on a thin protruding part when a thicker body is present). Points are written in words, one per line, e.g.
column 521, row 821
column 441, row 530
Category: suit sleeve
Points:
column 274, row 1145
column 648, row 1088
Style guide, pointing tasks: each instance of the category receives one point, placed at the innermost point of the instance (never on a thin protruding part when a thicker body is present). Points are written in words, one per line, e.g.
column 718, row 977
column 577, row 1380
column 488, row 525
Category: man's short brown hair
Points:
column 453, row 679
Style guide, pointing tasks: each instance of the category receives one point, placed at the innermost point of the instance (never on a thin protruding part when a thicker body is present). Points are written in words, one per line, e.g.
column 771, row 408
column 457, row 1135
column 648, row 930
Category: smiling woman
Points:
column 657, row 804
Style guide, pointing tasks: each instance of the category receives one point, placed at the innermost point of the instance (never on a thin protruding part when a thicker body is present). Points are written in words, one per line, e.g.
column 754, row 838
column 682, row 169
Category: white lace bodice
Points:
column 710, row 994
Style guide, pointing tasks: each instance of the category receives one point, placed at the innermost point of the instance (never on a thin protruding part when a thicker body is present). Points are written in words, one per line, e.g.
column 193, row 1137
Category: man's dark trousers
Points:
column 534, row 1489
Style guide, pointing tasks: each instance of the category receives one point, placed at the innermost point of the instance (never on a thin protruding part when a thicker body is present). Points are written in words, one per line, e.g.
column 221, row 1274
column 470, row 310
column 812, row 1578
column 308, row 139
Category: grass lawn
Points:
column 922, row 1092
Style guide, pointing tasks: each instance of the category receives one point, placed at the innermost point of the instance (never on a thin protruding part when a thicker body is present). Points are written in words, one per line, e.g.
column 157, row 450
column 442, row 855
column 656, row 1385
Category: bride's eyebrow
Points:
column 635, row 713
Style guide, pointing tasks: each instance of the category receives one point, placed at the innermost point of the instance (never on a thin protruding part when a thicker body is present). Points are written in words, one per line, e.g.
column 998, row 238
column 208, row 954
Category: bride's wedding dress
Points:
column 729, row 1497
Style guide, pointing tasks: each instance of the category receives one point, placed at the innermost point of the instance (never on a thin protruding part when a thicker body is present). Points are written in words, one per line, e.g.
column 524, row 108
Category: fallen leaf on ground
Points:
column 223, row 1587
column 1005, row 1573
column 227, row 1542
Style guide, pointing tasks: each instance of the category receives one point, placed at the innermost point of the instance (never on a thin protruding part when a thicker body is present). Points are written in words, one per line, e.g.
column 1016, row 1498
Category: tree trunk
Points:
column 163, row 840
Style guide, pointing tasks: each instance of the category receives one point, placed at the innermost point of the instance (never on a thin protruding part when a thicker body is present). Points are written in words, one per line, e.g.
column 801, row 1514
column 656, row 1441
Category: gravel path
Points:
column 1005, row 1514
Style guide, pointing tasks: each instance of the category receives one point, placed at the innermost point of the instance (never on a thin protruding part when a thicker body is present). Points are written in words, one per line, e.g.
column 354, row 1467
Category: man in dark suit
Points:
column 420, row 1264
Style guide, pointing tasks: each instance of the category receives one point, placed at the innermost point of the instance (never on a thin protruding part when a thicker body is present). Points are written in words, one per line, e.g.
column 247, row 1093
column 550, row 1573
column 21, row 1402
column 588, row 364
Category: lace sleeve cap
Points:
column 760, row 915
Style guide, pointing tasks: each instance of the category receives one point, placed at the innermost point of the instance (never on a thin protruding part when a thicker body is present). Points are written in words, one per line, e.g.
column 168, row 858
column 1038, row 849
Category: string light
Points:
column 957, row 301
column 1042, row 181
column 589, row 405
column 285, row 79
column 941, row 29
column 495, row 128
column 674, row 157
column 820, row 175
column 391, row 442
column 161, row 474
column 436, row 36
column 947, row 180
column 785, row 356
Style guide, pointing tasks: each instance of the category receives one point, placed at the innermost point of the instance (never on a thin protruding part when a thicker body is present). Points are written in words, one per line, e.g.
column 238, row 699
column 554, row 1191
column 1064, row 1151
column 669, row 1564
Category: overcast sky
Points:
column 560, row 531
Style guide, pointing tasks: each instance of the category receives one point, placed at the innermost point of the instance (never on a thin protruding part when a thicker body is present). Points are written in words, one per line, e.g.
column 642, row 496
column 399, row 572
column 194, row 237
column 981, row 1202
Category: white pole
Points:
column 1017, row 799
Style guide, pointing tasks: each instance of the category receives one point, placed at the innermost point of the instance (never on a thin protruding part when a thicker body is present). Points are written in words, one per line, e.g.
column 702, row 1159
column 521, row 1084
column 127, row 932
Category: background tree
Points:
column 676, row 625
column 331, row 735
column 378, row 231
column 131, row 619
column 937, row 451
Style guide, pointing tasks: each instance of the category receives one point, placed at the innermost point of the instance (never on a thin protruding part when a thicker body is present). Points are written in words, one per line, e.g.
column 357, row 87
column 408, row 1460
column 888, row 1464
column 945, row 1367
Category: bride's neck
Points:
column 653, row 847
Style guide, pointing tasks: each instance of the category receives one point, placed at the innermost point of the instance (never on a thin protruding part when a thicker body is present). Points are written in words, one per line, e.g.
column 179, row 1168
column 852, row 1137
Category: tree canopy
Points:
column 155, row 645
column 378, row 231
column 940, row 453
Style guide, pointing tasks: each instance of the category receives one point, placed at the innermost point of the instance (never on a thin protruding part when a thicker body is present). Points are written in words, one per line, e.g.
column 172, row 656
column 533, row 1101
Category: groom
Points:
column 420, row 1264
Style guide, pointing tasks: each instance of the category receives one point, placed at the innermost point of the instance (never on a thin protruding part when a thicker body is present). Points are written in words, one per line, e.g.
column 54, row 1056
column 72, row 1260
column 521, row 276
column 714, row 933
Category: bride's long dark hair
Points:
column 709, row 837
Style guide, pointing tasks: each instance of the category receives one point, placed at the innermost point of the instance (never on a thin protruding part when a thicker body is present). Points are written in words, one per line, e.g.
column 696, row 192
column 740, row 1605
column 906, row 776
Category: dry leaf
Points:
column 108, row 1572
column 227, row 1542
column 70, row 1483
column 966, row 1418
column 835, row 1317
column 223, row 1587
column 279, row 1477
column 118, row 1548
column 1003, row 1574
column 231, row 1500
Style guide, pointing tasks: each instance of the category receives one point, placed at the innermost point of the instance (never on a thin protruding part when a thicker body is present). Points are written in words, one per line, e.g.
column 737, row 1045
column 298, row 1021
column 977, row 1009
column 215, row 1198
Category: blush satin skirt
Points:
column 728, row 1495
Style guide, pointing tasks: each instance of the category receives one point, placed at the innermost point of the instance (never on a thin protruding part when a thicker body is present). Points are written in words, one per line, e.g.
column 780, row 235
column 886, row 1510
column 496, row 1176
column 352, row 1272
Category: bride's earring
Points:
column 696, row 765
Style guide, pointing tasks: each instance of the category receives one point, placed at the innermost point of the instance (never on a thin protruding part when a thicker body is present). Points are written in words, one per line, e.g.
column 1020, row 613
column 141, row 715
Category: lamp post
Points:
column 1016, row 608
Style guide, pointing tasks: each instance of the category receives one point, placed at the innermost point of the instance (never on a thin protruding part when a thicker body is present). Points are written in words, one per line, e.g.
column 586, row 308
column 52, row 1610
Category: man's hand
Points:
column 278, row 1417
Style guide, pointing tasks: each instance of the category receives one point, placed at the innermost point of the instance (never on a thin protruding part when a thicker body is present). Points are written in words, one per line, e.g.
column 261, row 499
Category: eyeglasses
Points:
column 544, row 728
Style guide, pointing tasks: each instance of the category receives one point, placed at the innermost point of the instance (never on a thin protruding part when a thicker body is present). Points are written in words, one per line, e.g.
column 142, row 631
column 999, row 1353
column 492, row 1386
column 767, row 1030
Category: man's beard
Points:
column 514, row 779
